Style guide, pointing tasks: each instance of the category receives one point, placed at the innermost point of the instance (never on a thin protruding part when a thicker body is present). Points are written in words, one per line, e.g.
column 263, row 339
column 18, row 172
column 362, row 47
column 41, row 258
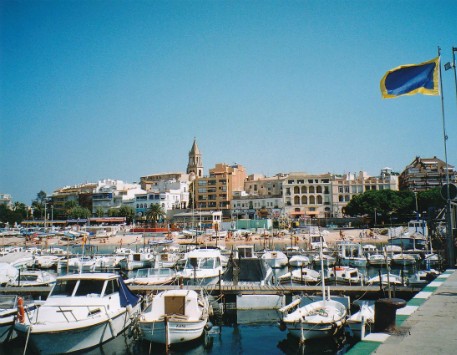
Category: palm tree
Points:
column 154, row 213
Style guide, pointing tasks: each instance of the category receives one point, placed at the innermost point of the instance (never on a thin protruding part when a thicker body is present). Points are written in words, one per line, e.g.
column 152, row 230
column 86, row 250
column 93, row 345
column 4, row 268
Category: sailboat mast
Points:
column 321, row 256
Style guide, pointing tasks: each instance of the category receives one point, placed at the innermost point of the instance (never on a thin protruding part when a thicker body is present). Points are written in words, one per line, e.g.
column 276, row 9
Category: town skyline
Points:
column 108, row 89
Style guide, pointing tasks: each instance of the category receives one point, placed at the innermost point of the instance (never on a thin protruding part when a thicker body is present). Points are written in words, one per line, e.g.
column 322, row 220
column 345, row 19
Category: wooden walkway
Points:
column 367, row 292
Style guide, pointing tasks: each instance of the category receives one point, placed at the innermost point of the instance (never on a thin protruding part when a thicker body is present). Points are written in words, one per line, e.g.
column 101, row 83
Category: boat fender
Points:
column 111, row 326
column 129, row 309
column 20, row 310
column 282, row 326
column 208, row 326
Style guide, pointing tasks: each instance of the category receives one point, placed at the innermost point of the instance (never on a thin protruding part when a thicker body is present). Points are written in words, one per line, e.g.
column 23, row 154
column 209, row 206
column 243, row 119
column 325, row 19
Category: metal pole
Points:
column 454, row 49
column 449, row 237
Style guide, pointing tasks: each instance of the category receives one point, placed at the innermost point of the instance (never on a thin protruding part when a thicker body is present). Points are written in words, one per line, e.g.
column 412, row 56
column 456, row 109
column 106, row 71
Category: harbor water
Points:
column 257, row 334
column 239, row 332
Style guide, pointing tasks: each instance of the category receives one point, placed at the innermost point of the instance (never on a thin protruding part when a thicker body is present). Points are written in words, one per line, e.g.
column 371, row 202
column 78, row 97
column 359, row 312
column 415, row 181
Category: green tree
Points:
column 127, row 212
column 154, row 213
column 79, row 212
column 113, row 212
column 387, row 204
column 99, row 212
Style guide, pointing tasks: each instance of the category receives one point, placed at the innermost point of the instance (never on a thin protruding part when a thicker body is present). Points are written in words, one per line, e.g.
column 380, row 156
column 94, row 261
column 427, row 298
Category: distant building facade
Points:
column 112, row 194
column 80, row 194
column 214, row 192
column 423, row 174
column 5, row 199
column 302, row 196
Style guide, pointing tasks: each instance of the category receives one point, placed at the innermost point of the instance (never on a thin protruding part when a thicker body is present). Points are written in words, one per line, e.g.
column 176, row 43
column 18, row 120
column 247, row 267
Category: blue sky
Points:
column 110, row 89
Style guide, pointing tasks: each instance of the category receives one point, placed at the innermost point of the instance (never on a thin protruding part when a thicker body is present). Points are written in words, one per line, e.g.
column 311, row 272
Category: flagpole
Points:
column 449, row 235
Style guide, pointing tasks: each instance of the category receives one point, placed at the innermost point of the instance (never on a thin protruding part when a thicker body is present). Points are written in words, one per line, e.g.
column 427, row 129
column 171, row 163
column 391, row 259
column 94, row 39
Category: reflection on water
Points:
column 252, row 332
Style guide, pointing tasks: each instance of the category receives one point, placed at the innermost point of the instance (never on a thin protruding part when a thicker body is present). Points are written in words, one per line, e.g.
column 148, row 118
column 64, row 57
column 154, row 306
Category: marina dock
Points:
column 427, row 325
column 355, row 292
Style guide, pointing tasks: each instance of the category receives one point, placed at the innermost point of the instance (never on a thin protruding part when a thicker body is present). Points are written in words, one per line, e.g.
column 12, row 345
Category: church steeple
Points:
column 195, row 164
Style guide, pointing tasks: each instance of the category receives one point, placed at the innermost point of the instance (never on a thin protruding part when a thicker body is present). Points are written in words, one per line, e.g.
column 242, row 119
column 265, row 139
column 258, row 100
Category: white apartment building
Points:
column 248, row 206
column 5, row 199
column 114, row 194
column 169, row 194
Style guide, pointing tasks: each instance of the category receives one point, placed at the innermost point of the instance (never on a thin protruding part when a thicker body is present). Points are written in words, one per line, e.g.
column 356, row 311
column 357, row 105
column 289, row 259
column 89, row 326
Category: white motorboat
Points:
column 385, row 280
column 275, row 258
column 153, row 276
column 318, row 319
column 301, row 276
column 422, row 277
column 167, row 259
column 78, row 263
column 345, row 274
column 174, row 316
column 29, row 278
column 8, row 273
column 351, row 254
column 46, row 261
column 202, row 267
column 328, row 260
column 362, row 322
column 82, row 311
column 12, row 307
column 137, row 261
column 403, row 259
column 378, row 260
column 299, row 260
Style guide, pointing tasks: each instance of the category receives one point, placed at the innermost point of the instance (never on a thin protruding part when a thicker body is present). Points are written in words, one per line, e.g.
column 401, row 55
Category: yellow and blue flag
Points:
column 412, row 79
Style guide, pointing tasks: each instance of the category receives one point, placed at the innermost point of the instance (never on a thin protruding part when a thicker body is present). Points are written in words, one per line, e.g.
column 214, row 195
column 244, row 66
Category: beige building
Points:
column 214, row 192
column 307, row 196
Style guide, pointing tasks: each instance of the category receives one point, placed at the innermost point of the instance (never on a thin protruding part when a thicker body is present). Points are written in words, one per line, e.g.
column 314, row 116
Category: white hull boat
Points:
column 345, row 274
column 202, row 267
column 403, row 259
column 299, row 261
column 30, row 278
column 301, row 276
column 153, row 276
column 386, row 279
column 320, row 319
column 362, row 322
column 378, row 260
column 82, row 311
column 174, row 316
column 276, row 259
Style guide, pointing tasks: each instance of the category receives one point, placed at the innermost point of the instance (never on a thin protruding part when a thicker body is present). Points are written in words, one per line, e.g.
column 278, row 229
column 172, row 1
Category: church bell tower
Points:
column 195, row 164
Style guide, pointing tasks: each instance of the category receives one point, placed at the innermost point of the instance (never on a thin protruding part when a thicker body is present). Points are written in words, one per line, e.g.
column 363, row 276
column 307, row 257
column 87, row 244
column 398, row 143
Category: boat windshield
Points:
column 64, row 288
column 85, row 287
column 90, row 287
column 202, row 263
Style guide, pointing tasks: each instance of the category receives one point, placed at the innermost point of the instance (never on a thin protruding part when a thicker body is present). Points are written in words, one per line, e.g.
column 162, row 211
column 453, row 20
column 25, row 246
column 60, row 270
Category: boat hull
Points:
column 309, row 331
column 7, row 329
column 49, row 339
column 178, row 332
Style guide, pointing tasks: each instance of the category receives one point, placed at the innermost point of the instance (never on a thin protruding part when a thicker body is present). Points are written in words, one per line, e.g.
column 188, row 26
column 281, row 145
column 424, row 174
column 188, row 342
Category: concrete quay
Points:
column 427, row 325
